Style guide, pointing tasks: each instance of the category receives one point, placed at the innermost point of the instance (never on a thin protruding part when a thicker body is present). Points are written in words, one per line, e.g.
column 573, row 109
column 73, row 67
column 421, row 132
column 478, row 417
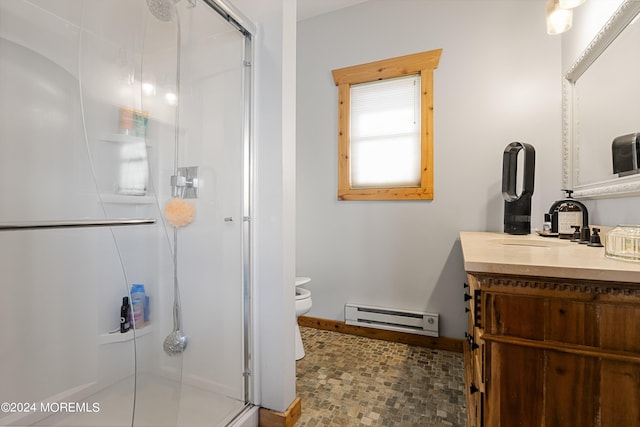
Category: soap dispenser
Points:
column 568, row 213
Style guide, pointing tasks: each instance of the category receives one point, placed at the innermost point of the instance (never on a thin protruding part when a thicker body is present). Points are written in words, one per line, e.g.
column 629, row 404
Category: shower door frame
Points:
column 247, row 29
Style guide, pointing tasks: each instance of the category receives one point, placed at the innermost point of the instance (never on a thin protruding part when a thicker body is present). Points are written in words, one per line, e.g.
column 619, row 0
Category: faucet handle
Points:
column 595, row 238
column 576, row 233
column 585, row 237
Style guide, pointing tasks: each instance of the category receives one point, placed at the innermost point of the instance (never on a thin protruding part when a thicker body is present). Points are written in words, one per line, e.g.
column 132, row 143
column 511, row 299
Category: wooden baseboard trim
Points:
column 439, row 343
column 270, row 418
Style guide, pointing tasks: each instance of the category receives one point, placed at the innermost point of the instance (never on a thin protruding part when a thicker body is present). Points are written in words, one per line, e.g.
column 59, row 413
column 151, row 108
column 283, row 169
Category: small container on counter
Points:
column 623, row 242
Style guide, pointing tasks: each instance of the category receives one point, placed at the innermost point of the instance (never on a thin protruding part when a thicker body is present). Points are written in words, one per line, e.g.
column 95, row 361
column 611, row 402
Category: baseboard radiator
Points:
column 391, row 319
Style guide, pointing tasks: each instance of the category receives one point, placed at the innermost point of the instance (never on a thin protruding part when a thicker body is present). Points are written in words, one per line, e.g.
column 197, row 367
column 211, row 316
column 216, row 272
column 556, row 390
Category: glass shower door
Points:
column 212, row 257
column 64, row 360
column 100, row 102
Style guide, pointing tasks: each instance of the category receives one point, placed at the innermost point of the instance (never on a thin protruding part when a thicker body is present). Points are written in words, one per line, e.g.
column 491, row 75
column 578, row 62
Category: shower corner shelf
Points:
column 116, row 337
column 121, row 138
column 126, row 199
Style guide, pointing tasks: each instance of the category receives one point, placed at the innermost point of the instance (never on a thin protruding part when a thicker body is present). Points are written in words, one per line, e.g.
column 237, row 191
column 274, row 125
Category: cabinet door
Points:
column 591, row 392
column 619, row 329
column 515, row 386
column 474, row 401
column 572, row 385
column 620, row 394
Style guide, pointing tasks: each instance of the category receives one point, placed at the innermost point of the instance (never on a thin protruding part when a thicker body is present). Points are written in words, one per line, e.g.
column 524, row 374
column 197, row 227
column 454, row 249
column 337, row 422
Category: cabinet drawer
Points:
column 572, row 322
column 515, row 315
column 619, row 327
column 592, row 324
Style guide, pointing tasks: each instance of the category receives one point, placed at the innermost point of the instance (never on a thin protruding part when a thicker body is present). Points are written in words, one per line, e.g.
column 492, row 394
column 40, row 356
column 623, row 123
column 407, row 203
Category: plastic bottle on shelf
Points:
column 147, row 307
column 125, row 315
column 138, row 298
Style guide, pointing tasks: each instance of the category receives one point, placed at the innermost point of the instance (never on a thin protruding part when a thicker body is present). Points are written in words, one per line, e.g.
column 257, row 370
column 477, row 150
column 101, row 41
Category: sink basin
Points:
column 531, row 243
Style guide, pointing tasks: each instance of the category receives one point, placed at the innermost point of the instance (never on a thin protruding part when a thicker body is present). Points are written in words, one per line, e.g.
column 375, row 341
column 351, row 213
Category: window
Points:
column 385, row 128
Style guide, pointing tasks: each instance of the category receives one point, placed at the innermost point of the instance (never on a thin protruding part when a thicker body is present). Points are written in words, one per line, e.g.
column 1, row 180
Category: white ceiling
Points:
column 310, row 8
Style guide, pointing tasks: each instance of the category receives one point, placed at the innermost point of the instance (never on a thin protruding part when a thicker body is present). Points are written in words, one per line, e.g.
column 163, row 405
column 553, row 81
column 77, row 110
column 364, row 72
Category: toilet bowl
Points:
column 303, row 305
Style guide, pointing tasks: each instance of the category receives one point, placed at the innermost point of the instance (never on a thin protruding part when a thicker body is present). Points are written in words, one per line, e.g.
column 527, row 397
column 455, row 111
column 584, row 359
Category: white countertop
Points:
column 533, row 255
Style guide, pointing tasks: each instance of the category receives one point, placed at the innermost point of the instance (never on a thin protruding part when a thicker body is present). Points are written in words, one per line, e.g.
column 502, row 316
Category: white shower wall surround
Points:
column 87, row 130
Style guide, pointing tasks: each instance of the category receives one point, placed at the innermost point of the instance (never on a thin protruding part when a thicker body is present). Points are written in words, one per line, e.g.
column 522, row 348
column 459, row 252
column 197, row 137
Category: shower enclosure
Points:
column 109, row 110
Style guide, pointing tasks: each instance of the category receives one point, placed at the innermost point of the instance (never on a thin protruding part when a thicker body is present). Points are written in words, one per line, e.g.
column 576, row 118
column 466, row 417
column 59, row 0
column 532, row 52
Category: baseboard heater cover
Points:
column 391, row 319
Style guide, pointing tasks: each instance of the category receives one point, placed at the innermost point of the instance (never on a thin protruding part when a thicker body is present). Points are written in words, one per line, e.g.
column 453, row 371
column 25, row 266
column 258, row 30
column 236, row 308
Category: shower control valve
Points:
column 178, row 181
column 185, row 183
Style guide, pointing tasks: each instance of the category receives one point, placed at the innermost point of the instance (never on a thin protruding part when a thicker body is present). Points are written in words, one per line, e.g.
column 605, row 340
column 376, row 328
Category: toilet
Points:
column 303, row 305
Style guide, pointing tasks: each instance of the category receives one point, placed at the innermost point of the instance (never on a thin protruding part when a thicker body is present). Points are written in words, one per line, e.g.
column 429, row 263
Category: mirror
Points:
column 601, row 102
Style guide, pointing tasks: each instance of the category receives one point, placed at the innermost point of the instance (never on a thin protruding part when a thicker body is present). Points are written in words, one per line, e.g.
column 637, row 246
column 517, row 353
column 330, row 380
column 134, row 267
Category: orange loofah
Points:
column 179, row 212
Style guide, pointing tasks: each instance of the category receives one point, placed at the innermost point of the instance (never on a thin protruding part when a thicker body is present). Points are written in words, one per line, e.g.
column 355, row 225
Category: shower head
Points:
column 175, row 343
column 162, row 9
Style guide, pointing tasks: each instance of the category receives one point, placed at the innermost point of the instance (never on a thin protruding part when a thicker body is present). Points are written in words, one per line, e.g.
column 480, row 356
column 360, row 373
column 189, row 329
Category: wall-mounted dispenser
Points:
column 517, row 198
column 625, row 151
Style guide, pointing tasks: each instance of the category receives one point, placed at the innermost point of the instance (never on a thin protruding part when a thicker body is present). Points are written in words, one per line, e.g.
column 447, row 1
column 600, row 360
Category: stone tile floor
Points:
column 345, row 380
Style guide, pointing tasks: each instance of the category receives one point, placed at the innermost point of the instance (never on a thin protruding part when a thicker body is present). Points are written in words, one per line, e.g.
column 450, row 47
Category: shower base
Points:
column 159, row 402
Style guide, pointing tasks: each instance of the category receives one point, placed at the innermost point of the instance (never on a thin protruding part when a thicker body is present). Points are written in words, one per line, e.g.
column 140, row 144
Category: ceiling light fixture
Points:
column 559, row 20
column 570, row 4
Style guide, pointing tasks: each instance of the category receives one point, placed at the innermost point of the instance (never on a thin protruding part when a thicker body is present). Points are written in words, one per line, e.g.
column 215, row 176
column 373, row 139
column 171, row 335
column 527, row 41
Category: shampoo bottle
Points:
column 137, row 305
column 125, row 315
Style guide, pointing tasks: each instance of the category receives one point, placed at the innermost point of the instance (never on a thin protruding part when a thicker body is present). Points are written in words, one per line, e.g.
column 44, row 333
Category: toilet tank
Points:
column 302, row 280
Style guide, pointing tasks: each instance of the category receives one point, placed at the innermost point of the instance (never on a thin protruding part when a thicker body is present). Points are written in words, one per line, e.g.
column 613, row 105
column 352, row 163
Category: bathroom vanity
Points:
column 554, row 333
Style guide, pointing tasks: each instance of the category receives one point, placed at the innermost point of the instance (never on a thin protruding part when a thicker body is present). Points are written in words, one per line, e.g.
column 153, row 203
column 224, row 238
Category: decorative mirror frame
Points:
column 616, row 187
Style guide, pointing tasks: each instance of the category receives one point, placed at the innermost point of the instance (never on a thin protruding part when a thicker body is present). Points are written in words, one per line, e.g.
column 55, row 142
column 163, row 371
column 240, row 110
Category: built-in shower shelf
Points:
column 121, row 138
column 126, row 199
column 116, row 337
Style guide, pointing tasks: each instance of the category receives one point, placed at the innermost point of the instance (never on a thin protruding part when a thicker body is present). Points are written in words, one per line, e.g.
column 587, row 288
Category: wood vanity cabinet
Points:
column 552, row 352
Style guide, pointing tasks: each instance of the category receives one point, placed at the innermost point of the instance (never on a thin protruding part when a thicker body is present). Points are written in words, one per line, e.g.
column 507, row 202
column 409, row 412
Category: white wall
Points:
column 274, row 199
column 588, row 19
column 498, row 81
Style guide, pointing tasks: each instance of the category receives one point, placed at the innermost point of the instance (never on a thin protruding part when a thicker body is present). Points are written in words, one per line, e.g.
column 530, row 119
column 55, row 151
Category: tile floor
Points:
column 345, row 380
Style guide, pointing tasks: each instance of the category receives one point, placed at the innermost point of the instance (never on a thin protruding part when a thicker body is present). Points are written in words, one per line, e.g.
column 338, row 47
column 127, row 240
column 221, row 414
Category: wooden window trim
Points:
column 422, row 63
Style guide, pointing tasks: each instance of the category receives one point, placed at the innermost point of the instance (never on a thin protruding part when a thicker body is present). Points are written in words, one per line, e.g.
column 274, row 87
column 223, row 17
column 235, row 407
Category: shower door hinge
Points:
column 246, row 373
column 246, row 218
column 246, row 63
